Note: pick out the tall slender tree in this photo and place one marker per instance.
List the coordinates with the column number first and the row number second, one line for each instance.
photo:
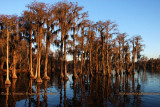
column 15, row 41
column 29, row 26
column 63, row 16
column 121, row 43
column 133, row 54
column 90, row 37
column 110, row 29
column 50, row 35
column 106, row 30
column 139, row 46
column 39, row 10
column 101, row 28
column 8, row 23
column 77, row 20
column 83, row 24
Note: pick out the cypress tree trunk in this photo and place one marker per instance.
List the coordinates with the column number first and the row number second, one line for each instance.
column 84, row 63
column 81, row 63
column 65, row 61
column 7, row 82
column 103, row 65
column 123, row 59
column 46, row 60
column 133, row 59
column 14, row 76
column 119, row 58
column 61, row 57
column 97, row 60
column 82, row 52
column 107, row 63
column 39, row 80
column 2, row 64
column 90, row 59
column 30, row 53
column 74, row 57
column 35, row 77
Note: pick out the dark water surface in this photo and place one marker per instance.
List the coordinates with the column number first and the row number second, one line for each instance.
column 142, row 89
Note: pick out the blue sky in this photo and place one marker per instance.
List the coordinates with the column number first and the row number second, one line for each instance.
column 135, row 17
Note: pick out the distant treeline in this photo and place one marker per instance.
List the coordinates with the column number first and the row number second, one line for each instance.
column 151, row 64
column 97, row 47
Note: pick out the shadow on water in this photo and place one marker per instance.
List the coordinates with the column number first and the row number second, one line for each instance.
column 140, row 89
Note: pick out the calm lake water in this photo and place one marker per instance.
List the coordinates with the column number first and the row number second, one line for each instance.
column 142, row 89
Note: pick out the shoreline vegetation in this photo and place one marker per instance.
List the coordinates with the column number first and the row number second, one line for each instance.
column 96, row 47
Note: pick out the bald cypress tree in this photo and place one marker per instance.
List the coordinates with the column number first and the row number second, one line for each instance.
column 121, row 43
column 39, row 10
column 8, row 23
column 30, row 27
column 63, row 16
column 50, row 34
column 91, row 37
column 110, row 28
column 78, row 21
column 82, row 25
column 15, row 41
column 101, row 27
column 106, row 30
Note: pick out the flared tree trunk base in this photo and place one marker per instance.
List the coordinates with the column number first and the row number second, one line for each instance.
column 39, row 80
column 61, row 76
column 91, row 74
column 97, row 72
column 32, row 76
column 120, row 73
column 7, row 82
column 127, row 73
column 46, row 77
column 74, row 77
column 80, row 74
column 133, row 72
column 66, row 78
column 103, row 74
column 109, row 74
column 117, row 74
column 14, row 76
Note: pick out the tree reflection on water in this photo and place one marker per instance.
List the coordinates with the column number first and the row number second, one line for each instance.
column 87, row 90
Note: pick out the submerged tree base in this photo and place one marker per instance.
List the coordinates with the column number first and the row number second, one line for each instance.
column 74, row 77
column 91, row 74
column 61, row 76
column 14, row 76
column 45, row 77
column 7, row 82
column 128, row 73
column 109, row 74
column 80, row 73
column 66, row 78
column 133, row 72
column 39, row 80
column 103, row 74
column 32, row 76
